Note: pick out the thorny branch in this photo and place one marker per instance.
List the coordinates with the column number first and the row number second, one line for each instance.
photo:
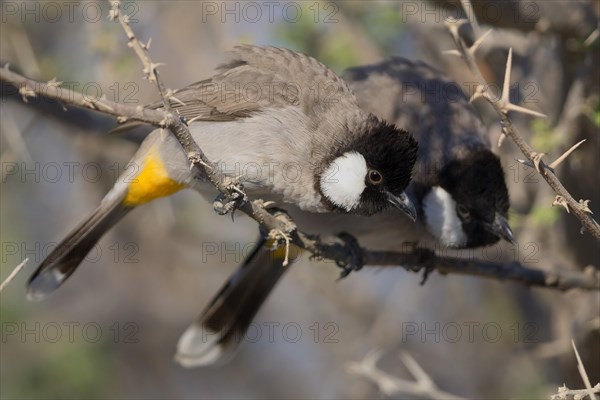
column 282, row 227
column 502, row 106
column 389, row 385
column 564, row 393
column 423, row 385
column 583, row 373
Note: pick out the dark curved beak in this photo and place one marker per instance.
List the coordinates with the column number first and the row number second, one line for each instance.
column 403, row 203
column 501, row 229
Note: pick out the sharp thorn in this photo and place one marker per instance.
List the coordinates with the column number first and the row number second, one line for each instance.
column 478, row 42
column 585, row 206
column 172, row 97
column 501, row 139
column 452, row 53
column 537, row 159
column 592, row 38
column 560, row 159
column 507, row 74
column 560, row 201
column 523, row 110
column 479, row 93
column 526, row 163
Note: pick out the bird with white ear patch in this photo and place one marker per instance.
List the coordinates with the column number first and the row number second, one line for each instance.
column 343, row 182
column 439, row 212
column 457, row 187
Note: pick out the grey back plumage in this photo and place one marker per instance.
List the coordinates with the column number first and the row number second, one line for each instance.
column 424, row 101
column 256, row 77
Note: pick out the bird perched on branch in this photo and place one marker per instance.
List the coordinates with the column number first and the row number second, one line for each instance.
column 283, row 123
column 457, row 186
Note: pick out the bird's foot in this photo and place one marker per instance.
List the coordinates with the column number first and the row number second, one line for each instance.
column 234, row 198
column 425, row 258
column 354, row 260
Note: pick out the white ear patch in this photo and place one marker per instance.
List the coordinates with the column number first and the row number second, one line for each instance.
column 344, row 180
column 440, row 215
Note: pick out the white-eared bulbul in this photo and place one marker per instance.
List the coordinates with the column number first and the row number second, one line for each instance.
column 288, row 123
column 457, row 186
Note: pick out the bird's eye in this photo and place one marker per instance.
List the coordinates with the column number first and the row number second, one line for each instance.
column 374, row 177
column 463, row 211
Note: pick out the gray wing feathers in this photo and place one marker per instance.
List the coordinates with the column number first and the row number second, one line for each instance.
column 254, row 77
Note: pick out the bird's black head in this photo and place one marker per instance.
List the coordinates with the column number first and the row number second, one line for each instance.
column 480, row 199
column 371, row 170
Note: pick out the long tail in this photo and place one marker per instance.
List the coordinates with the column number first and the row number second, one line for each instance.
column 215, row 336
column 69, row 253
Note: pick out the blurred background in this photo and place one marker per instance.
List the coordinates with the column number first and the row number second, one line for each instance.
column 111, row 331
